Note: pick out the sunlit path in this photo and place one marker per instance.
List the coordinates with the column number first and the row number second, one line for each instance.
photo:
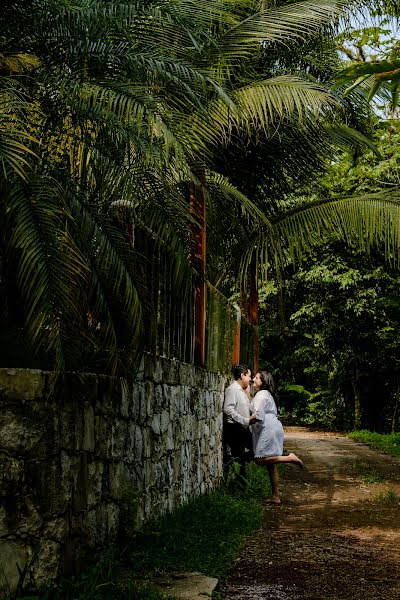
column 336, row 535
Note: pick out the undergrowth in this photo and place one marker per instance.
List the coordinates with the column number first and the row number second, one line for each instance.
column 205, row 534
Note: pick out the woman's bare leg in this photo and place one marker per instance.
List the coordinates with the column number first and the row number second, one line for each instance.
column 274, row 479
column 272, row 460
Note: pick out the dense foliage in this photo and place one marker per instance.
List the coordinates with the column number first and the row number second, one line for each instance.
column 110, row 111
column 339, row 352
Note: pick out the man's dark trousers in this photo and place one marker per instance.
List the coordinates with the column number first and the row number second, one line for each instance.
column 238, row 438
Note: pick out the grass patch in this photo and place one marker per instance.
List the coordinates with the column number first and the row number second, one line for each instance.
column 386, row 442
column 368, row 473
column 389, row 496
column 203, row 535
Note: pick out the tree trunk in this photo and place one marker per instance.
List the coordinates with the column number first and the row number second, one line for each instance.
column 395, row 410
column 357, row 398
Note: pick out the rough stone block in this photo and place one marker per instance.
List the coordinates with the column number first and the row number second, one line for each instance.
column 219, row 421
column 109, row 395
column 165, row 420
column 186, row 400
column 138, row 406
column 147, row 443
column 11, row 475
column 49, row 485
column 156, row 424
column 200, row 378
column 170, row 370
column 117, row 480
column 22, row 384
column 23, row 518
column 80, row 490
column 136, row 478
column 46, row 564
column 27, row 429
column 103, row 436
column 158, row 399
column 95, row 472
column 71, row 426
column 119, row 435
column 134, row 448
column 13, row 555
column 113, row 520
column 95, row 526
column 56, row 529
column 88, row 443
column 148, row 403
column 139, row 375
column 170, row 440
column 187, row 375
column 101, row 524
column 152, row 368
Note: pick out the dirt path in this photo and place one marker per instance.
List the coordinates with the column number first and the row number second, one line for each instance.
column 336, row 535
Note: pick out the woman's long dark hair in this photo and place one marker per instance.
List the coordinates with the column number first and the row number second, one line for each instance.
column 267, row 383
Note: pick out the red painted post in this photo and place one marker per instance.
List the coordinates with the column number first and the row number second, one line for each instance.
column 236, row 340
column 254, row 312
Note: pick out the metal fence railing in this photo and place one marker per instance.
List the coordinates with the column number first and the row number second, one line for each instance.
column 169, row 308
column 220, row 331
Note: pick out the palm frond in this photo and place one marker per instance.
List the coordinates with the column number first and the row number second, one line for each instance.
column 50, row 270
column 294, row 21
column 109, row 258
column 368, row 221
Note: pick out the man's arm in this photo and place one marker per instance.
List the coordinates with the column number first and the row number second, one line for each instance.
column 229, row 407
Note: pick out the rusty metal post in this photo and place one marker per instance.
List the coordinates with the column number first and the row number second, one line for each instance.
column 254, row 311
column 236, row 341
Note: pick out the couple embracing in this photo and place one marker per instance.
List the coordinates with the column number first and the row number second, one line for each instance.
column 252, row 428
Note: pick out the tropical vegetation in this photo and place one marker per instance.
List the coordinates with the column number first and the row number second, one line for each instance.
column 129, row 130
column 338, row 356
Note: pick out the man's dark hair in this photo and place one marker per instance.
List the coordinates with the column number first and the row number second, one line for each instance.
column 237, row 371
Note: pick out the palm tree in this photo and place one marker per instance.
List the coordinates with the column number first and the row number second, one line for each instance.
column 125, row 104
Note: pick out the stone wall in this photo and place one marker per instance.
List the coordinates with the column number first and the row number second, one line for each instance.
column 70, row 458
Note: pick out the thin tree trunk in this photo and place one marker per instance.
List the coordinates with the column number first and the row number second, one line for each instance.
column 357, row 399
column 395, row 410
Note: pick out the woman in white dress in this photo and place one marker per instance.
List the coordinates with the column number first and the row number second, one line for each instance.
column 267, row 432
